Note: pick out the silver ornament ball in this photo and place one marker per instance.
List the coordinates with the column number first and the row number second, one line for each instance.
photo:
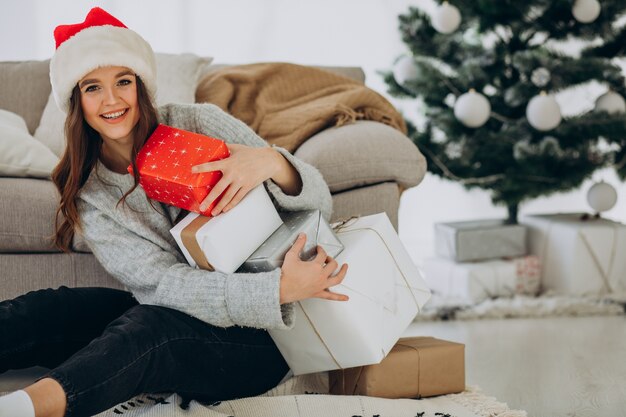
column 540, row 77
column 405, row 70
column 586, row 11
column 601, row 196
column 543, row 112
column 611, row 102
column 446, row 18
column 472, row 109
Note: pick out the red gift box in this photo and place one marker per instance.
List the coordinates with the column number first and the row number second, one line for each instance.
column 165, row 162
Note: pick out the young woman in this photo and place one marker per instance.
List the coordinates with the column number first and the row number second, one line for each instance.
column 177, row 329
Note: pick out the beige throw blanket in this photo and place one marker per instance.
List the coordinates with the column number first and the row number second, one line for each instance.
column 286, row 104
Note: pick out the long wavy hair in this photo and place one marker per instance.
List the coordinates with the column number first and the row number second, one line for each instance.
column 82, row 151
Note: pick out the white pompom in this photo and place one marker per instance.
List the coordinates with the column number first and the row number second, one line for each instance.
column 446, row 18
column 611, row 102
column 602, row 196
column 543, row 112
column 586, row 11
column 405, row 70
column 472, row 109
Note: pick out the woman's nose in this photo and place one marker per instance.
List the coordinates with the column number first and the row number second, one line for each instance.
column 110, row 96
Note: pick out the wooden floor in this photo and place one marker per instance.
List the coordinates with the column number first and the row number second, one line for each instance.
column 552, row 367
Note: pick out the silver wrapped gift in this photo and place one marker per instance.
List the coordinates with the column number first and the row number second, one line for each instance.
column 271, row 253
column 480, row 240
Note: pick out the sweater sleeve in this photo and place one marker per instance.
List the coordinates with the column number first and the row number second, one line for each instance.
column 156, row 276
column 210, row 120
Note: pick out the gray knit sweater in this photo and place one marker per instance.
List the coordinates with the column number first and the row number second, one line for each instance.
column 133, row 242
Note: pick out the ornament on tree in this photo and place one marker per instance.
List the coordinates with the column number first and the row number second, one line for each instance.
column 472, row 109
column 543, row 112
column 540, row 77
column 611, row 102
column 601, row 196
column 405, row 70
column 446, row 18
column 586, row 11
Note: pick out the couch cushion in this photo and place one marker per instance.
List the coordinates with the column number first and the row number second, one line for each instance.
column 25, row 89
column 27, row 209
column 368, row 200
column 363, row 153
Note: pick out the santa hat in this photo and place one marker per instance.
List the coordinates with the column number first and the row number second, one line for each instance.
column 100, row 41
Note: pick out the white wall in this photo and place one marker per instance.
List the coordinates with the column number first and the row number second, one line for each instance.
column 327, row 32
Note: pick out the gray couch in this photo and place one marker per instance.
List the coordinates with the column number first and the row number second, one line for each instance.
column 366, row 165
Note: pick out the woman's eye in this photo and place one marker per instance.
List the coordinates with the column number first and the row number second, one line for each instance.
column 91, row 88
column 125, row 82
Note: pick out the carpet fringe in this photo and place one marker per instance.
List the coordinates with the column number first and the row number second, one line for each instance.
column 483, row 405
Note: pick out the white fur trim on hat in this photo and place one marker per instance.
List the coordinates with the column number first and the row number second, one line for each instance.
column 95, row 47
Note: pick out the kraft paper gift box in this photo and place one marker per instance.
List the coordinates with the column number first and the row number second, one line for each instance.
column 164, row 163
column 386, row 293
column 474, row 282
column 224, row 242
column 479, row 240
column 416, row 367
column 271, row 253
column 579, row 256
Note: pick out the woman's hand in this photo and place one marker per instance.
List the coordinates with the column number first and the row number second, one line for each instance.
column 244, row 169
column 309, row 279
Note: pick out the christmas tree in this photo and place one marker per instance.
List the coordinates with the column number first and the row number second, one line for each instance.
column 485, row 74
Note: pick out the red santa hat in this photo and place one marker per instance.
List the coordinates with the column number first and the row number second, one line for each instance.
column 100, row 41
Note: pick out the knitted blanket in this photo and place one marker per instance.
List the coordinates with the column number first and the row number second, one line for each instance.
column 304, row 396
column 286, row 104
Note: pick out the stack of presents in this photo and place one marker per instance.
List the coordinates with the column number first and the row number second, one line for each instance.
column 564, row 254
column 358, row 340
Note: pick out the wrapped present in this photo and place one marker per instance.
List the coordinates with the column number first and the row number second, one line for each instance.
column 386, row 292
column 579, row 256
column 479, row 240
column 165, row 162
column 224, row 242
column 416, row 367
column 473, row 282
column 271, row 253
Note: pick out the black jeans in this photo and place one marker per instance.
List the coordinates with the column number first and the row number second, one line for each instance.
column 104, row 348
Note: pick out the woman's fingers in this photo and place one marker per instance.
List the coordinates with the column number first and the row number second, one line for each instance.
column 235, row 200
column 338, row 277
column 215, row 192
column 207, row 166
column 226, row 199
column 321, row 256
column 329, row 295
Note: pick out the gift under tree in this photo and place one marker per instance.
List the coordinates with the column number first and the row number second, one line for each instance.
column 486, row 74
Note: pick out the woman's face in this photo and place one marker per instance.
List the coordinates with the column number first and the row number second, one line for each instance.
column 108, row 97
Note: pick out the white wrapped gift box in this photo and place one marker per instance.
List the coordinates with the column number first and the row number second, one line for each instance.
column 474, row 282
column 579, row 256
column 386, row 293
column 224, row 242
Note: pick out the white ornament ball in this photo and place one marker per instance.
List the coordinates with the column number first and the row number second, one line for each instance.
column 472, row 109
column 611, row 102
column 586, row 11
column 543, row 112
column 405, row 70
column 602, row 196
column 446, row 18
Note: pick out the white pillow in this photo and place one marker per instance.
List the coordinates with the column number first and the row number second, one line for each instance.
column 177, row 80
column 21, row 155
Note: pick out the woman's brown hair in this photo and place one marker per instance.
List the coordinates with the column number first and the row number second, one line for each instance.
column 79, row 159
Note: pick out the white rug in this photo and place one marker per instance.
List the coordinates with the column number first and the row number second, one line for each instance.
column 303, row 397
column 546, row 305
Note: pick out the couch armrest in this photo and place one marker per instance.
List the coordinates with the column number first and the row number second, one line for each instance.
column 364, row 153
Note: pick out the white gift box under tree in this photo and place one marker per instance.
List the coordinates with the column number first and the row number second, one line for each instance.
column 579, row 256
column 477, row 240
column 386, row 293
column 473, row 282
column 225, row 241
